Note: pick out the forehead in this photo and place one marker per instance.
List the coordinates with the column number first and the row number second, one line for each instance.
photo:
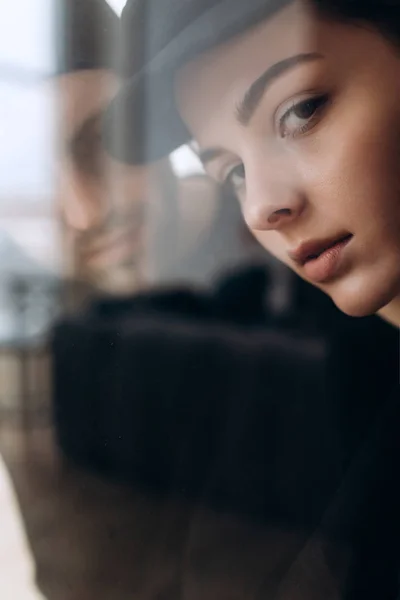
column 217, row 77
column 209, row 88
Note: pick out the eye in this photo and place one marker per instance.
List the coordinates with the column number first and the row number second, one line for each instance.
column 236, row 177
column 301, row 116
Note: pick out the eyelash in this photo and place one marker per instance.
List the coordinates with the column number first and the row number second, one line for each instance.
column 320, row 101
column 228, row 179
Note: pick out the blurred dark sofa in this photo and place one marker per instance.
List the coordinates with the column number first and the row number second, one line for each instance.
column 184, row 393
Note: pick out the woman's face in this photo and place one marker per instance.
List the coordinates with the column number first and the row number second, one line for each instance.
column 302, row 117
column 105, row 205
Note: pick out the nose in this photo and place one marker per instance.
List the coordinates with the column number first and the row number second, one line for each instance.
column 80, row 207
column 77, row 217
column 272, row 202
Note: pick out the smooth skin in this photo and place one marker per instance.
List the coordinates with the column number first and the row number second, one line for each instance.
column 302, row 117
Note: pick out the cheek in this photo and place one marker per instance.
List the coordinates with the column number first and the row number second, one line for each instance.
column 351, row 176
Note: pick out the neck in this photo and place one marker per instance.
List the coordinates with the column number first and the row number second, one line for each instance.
column 391, row 312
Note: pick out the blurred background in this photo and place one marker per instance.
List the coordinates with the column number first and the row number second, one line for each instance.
column 158, row 370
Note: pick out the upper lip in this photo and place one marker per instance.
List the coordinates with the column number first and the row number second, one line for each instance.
column 313, row 248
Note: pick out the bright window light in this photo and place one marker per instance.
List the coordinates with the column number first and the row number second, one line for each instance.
column 117, row 5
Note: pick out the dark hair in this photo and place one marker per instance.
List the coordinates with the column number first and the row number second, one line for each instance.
column 383, row 15
column 86, row 33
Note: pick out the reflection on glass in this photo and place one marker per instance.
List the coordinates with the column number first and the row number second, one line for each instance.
column 181, row 415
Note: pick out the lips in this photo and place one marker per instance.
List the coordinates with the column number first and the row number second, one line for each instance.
column 114, row 249
column 311, row 250
column 321, row 261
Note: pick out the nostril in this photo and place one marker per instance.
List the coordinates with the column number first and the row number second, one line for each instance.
column 262, row 217
column 278, row 214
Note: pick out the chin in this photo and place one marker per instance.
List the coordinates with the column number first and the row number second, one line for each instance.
column 364, row 296
column 357, row 308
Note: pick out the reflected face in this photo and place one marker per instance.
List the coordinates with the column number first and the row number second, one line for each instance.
column 302, row 117
column 103, row 203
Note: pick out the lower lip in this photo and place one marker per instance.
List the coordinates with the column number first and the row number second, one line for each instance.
column 327, row 264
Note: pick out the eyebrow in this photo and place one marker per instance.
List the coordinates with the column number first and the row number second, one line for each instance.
column 210, row 154
column 253, row 96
